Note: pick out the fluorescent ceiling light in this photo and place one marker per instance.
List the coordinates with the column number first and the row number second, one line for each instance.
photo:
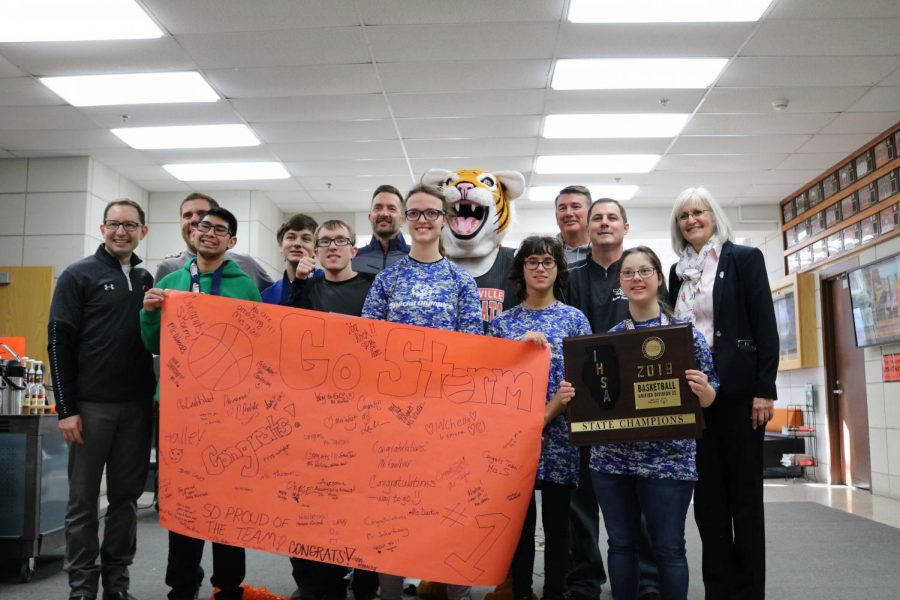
column 228, row 171
column 635, row 73
column 548, row 193
column 650, row 125
column 603, row 163
column 190, row 136
column 69, row 20
column 132, row 88
column 666, row 11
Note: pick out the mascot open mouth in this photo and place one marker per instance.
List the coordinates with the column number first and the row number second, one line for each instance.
column 470, row 218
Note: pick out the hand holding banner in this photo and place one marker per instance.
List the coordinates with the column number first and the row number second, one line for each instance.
column 388, row 447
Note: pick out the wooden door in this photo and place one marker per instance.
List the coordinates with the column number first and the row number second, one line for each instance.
column 848, row 412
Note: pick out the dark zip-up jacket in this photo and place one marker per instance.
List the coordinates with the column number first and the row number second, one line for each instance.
column 94, row 334
column 371, row 258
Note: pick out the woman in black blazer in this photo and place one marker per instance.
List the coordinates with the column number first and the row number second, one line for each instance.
column 723, row 288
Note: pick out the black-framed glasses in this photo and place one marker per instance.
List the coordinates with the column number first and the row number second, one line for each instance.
column 430, row 214
column 338, row 241
column 129, row 226
column 696, row 213
column 533, row 263
column 644, row 272
column 218, row 230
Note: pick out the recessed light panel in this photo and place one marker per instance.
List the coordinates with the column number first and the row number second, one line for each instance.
column 548, row 193
column 650, row 125
column 132, row 88
column 188, row 136
column 666, row 11
column 636, row 73
column 227, row 171
column 71, row 20
column 602, row 163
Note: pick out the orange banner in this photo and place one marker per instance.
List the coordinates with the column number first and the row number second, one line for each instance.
column 393, row 448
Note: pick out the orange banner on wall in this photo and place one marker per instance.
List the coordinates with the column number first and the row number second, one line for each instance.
column 393, row 448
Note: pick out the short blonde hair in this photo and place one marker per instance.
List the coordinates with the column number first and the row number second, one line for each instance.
column 695, row 196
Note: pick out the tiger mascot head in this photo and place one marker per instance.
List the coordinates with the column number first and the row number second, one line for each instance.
column 482, row 201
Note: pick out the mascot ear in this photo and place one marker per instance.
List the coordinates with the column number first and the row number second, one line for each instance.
column 435, row 177
column 513, row 181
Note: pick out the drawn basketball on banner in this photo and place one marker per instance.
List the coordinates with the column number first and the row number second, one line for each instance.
column 221, row 357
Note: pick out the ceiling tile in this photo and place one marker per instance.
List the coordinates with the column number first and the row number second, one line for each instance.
column 456, row 76
column 315, row 131
column 337, row 150
column 816, row 37
column 380, row 12
column 98, row 58
column 164, row 185
column 775, row 190
column 876, row 99
column 475, row 148
column 800, row 99
column 210, row 155
column 312, row 108
column 622, row 101
column 66, row 141
column 835, row 9
column 817, row 162
column 872, row 123
column 294, row 81
column 718, row 162
column 158, row 115
column 522, row 164
column 467, row 104
column 178, row 16
column 42, row 117
column 24, row 91
column 746, row 124
column 7, row 69
column 331, row 46
column 808, row 71
column 475, row 41
column 651, row 40
column 835, row 143
column 361, row 186
column 476, row 127
column 737, row 144
column 343, row 168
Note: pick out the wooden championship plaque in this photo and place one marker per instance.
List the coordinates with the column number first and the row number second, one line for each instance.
column 630, row 386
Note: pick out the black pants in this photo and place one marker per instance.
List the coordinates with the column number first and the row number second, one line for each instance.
column 728, row 501
column 364, row 584
column 555, row 516
column 183, row 574
column 319, row 581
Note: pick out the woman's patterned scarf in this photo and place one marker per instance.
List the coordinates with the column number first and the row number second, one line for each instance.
column 690, row 269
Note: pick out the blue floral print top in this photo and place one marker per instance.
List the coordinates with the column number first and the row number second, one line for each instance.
column 667, row 459
column 559, row 459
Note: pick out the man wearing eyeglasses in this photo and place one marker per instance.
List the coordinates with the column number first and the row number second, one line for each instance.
column 103, row 378
column 209, row 273
column 342, row 290
column 594, row 289
column 296, row 239
column 192, row 209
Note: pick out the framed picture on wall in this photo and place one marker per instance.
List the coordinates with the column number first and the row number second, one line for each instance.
column 874, row 296
column 795, row 314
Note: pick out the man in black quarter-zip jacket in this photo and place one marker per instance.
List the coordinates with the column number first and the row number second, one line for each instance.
column 104, row 383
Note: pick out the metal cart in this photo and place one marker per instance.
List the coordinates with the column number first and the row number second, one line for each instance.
column 34, row 471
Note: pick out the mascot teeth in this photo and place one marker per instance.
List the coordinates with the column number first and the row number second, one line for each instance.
column 469, row 219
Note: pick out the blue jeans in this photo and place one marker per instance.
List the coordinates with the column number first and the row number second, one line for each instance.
column 664, row 503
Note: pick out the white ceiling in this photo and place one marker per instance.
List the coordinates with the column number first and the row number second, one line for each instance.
column 349, row 94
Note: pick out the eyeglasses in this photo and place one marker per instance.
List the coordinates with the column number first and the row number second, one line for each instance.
column 533, row 263
column 219, row 230
column 338, row 241
column 430, row 214
column 644, row 272
column 696, row 213
column 130, row 226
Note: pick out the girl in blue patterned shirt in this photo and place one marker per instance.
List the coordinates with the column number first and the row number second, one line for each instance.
column 426, row 289
column 539, row 271
column 655, row 478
